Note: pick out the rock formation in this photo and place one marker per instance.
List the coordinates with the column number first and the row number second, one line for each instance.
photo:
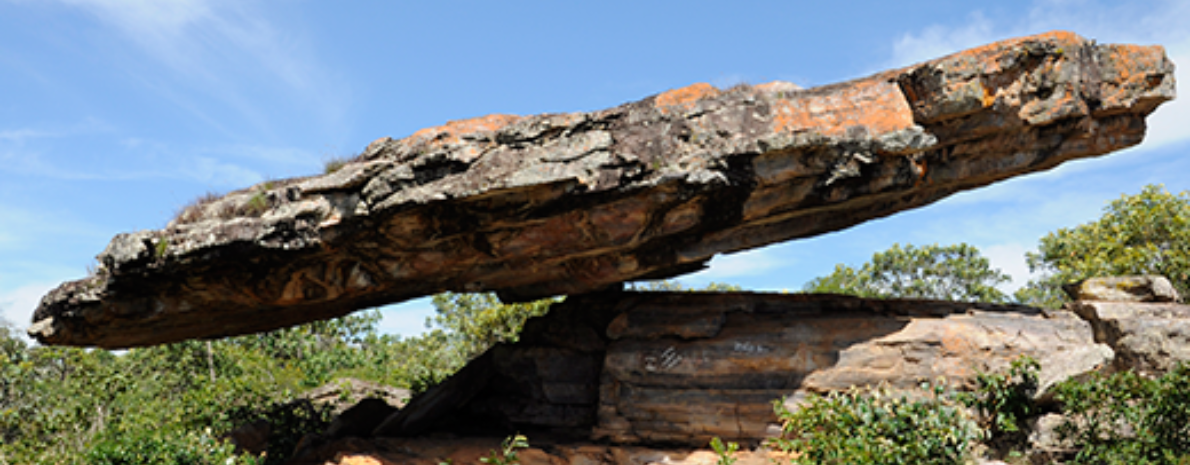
column 643, row 377
column 573, row 203
column 681, row 367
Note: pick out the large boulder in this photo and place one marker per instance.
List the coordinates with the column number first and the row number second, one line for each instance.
column 1148, row 338
column 571, row 203
column 1123, row 289
column 681, row 368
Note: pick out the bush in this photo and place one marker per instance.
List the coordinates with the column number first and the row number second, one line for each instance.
column 1126, row 418
column 288, row 424
column 1004, row 403
column 164, row 449
column 872, row 427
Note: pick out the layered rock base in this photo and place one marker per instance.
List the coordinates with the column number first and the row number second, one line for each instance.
column 646, row 377
column 681, row 368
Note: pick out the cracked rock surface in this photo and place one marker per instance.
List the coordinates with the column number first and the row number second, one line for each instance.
column 572, row 203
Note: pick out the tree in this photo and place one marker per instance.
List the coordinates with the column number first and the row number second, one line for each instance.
column 954, row 272
column 476, row 322
column 1146, row 233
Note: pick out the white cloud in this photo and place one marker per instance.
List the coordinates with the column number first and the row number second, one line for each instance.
column 1171, row 122
column 1010, row 258
column 21, row 135
column 228, row 50
column 936, row 41
column 726, row 267
column 215, row 172
column 17, row 305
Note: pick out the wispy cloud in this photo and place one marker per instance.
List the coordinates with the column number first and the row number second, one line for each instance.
column 732, row 267
column 21, row 135
column 1010, row 258
column 35, row 152
column 227, row 50
column 938, row 40
column 17, row 304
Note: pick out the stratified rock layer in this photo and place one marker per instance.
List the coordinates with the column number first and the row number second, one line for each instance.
column 571, row 203
column 682, row 368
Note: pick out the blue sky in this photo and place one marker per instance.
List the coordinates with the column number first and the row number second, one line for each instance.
column 115, row 113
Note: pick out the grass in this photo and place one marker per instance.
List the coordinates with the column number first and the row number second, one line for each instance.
column 334, row 164
column 193, row 211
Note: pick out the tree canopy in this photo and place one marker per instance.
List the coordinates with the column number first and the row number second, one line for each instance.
column 953, row 272
column 1144, row 233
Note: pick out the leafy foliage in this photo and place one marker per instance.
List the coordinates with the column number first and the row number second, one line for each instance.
column 1145, row 233
column 724, row 452
column 475, row 322
column 156, row 449
column 507, row 455
column 953, row 272
column 1004, row 403
column 1128, row 419
column 872, row 427
column 164, row 404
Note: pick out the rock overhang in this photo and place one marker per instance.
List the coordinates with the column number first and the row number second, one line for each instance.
column 570, row 203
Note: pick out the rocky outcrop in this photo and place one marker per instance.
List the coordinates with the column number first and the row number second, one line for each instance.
column 358, row 406
column 573, row 203
column 1138, row 317
column 630, row 377
column 1123, row 289
column 681, row 368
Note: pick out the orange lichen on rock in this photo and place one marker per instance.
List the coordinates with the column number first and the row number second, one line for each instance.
column 981, row 58
column 876, row 105
column 1129, row 70
column 451, row 131
column 685, row 97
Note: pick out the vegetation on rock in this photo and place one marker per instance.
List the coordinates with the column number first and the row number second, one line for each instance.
column 873, row 426
column 1126, row 418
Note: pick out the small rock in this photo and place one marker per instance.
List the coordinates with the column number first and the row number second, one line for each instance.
column 1124, row 289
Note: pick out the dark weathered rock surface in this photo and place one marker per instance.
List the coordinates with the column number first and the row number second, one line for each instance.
column 571, row 203
column 681, row 368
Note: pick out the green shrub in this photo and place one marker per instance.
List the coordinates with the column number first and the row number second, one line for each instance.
column 1004, row 403
column 871, row 426
column 164, row 449
column 288, row 424
column 725, row 452
column 1127, row 418
column 507, row 455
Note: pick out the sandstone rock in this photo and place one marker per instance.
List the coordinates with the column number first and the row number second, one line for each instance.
column 571, row 203
column 681, row 368
column 344, row 393
column 1124, row 289
column 1149, row 338
column 438, row 450
column 955, row 348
